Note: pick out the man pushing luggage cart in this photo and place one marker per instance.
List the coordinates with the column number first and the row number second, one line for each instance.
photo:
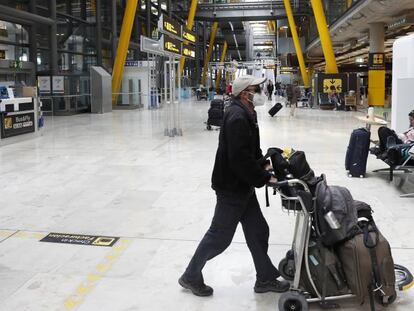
column 239, row 168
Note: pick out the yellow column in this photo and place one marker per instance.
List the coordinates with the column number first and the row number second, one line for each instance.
column 209, row 52
column 223, row 56
column 296, row 42
column 376, row 70
column 325, row 37
column 349, row 3
column 311, row 70
column 190, row 24
column 376, row 87
column 123, row 45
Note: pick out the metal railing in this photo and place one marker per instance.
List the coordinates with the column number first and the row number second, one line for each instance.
column 78, row 103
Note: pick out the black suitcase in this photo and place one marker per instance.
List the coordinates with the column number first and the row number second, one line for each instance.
column 357, row 153
column 275, row 109
column 217, row 104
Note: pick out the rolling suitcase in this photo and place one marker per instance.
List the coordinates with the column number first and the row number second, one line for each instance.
column 275, row 109
column 357, row 153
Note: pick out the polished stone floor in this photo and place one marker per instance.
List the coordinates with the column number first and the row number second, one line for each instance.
column 118, row 175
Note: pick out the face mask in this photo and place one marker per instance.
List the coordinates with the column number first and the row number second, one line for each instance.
column 258, row 99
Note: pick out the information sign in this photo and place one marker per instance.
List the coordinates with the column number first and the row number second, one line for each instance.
column 190, row 36
column 172, row 45
column 13, row 125
column 189, row 51
column 170, row 26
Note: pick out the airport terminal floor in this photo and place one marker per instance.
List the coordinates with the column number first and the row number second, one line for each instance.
column 118, row 175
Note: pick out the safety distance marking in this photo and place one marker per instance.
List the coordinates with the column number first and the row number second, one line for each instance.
column 80, row 239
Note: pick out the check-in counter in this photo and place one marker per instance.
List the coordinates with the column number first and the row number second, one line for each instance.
column 19, row 118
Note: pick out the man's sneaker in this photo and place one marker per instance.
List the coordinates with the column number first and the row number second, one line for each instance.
column 271, row 286
column 202, row 289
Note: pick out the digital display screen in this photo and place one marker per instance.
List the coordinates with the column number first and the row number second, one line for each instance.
column 172, row 45
column 189, row 51
column 190, row 36
column 171, row 26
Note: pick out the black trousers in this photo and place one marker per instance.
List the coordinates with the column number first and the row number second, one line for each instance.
column 384, row 133
column 230, row 210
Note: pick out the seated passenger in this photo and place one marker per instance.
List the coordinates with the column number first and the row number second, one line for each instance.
column 385, row 134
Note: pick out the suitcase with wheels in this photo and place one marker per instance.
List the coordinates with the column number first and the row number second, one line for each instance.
column 357, row 153
column 275, row 109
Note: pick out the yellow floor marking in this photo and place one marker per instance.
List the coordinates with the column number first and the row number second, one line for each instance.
column 29, row 235
column 74, row 300
column 6, row 233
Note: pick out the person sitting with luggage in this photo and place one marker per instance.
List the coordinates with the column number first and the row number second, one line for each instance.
column 239, row 168
column 334, row 99
column 385, row 135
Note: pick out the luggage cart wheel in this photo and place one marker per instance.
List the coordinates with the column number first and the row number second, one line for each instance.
column 380, row 300
column 287, row 269
column 292, row 301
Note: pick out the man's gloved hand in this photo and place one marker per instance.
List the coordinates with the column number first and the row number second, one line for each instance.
column 268, row 167
column 272, row 180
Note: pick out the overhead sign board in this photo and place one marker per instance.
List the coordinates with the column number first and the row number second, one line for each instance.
column 190, row 36
column 170, row 26
column 334, row 82
column 332, row 85
column 402, row 21
column 172, row 45
column 189, row 51
column 288, row 69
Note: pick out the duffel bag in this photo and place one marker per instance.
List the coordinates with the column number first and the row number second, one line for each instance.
column 367, row 262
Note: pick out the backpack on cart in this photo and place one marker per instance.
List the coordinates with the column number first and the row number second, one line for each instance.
column 336, row 215
column 294, row 166
column 367, row 261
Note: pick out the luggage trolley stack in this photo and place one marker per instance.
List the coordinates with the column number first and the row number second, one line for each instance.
column 215, row 114
column 311, row 285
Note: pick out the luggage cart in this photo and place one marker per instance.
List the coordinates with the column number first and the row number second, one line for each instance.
column 297, row 298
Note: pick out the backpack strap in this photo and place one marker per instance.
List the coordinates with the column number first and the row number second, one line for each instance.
column 376, row 284
column 270, row 152
column 267, row 196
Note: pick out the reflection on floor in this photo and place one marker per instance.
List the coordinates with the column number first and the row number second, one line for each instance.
column 117, row 175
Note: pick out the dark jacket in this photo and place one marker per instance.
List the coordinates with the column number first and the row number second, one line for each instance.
column 239, row 165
